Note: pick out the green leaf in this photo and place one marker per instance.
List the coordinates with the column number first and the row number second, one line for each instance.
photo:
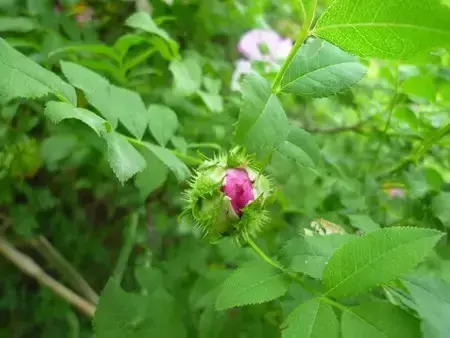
column 376, row 258
column 300, row 147
column 385, row 29
column 379, row 320
column 262, row 124
column 310, row 254
column 120, row 314
column 162, row 122
column 142, row 20
column 22, row 77
column 154, row 175
column 311, row 319
column 364, row 223
column 320, row 71
column 179, row 169
column 421, row 86
column 113, row 102
column 58, row 111
column 149, row 278
column 187, row 75
column 214, row 102
column 92, row 49
column 17, row 24
column 441, row 207
column 253, row 283
column 123, row 158
column 432, row 297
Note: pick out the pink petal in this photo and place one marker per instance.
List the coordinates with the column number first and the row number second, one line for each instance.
column 242, row 67
column 238, row 188
column 249, row 45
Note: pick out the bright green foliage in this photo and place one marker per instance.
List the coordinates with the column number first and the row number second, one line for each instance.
column 320, row 69
column 310, row 254
column 422, row 86
column 432, row 298
column 123, row 158
column 58, row 111
column 253, row 283
column 17, row 24
column 363, row 263
column 153, row 176
column 386, row 29
column 115, row 103
column 441, row 208
column 312, row 319
column 179, row 169
column 163, row 123
column 262, row 124
column 21, row 77
column 364, row 223
column 187, row 75
column 379, row 320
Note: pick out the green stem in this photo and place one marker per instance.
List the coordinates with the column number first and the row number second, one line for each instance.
column 304, row 33
column 204, row 145
column 130, row 235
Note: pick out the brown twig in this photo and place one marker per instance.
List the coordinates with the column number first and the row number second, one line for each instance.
column 29, row 267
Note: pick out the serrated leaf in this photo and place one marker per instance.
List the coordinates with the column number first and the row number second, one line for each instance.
column 162, row 122
column 364, row 223
column 432, row 297
column 113, row 102
column 441, row 207
column 142, row 20
column 17, row 24
column 262, row 124
column 120, row 314
column 310, row 254
column 376, row 258
column 123, row 158
column 312, row 319
column 253, row 283
column 58, row 111
column 321, row 71
column 379, row 320
column 300, row 147
column 385, row 29
column 153, row 176
column 179, row 169
column 22, row 77
column 187, row 75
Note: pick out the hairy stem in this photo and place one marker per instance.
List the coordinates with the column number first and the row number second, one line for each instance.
column 304, row 33
column 29, row 267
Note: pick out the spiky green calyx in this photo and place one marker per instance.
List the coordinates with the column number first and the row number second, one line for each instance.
column 208, row 204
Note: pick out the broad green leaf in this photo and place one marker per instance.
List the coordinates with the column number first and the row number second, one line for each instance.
column 441, row 207
column 187, row 75
column 320, row 71
column 262, row 124
column 379, row 320
column 363, row 222
column 113, row 102
column 421, row 86
column 123, row 158
column 253, row 283
column 312, row 319
column 58, row 111
column 56, row 148
column 179, row 169
column 143, row 20
column 376, row 258
column 17, row 24
column 91, row 49
column 214, row 102
column 21, row 77
column 154, row 175
column 120, row 314
column 432, row 297
column 162, row 122
column 385, row 29
column 300, row 147
column 310, row 254
column 149, row 278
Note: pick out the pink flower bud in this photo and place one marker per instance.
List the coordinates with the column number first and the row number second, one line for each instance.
column 238, row 188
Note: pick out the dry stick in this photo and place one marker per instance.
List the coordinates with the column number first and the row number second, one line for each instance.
column 54, row 257
column 29, row 267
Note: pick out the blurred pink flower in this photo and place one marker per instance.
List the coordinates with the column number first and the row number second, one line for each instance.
column 260, row 45
column 85, row 16
column 396, row 192
column 239, row 189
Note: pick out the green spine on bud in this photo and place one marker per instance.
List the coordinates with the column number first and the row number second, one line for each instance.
column 218, row 196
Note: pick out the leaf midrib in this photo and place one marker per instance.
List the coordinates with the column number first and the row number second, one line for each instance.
column 372, row 262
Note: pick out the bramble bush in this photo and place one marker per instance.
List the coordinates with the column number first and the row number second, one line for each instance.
column 189, row 168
